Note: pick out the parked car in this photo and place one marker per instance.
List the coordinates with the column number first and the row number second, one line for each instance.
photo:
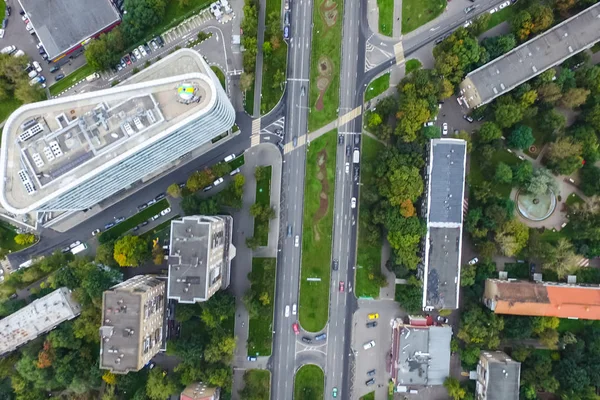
column 159, row 41
column 119, row 220
column 229, row 158
column 144, row 223
column 37, row 66
column 127, row 60
column 218, row 182
column 160, row 196
column 95, row 232
column 336, row 264
column 136, row 54
column 505, row 4
column 306, row 339
column 296, row 328
column 59, row 77
column 370, row 382
column 109, row 225
column 8, row 50
column 146, row 49
column 75, row 244
column 142, row 51
column 153, row 201
column 468, row 118
column 165, row 211
column 252, row 358
column 320, row 337
column 154, row 45
column 142, row 207
column 441, row 320
column 371, row 372
column 369, row 345
column 371, row 324
column 473, row 261
column 8, row 11
column 1, row 33
column 373, row 316
column 445, row 128
column 33, row 73
column 286, row 32
column 154, row 218
column 206, row 189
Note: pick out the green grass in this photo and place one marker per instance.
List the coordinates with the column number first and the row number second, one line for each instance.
column 500, row 16
column 2, row 12
column 573, row 325
column 386, row 17
column 368, row 396
column 552, row 237
column 476, row 175
column 260, row 380
column 237, row 162
column 574, row 199
column 368, row 256
column 71, row 79
column 309, row 383
column 249, row 100
column 7, row 237
column 326, row 45
column 276, row 61
column 418, row 12
column 317, row 234
column 161, row 230
column 517, row 270
column 260, row 329
column 595, row 48
column 377, row 86
column 263, row 197
column 412, row 65
column 7, row 106
column 219, row 74
column 133, row 221
column 176, row 12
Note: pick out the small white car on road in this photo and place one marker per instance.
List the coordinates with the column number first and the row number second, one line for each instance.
column 505, row 4
column 294, row 309
column 445, row 128
column 347, row 167
column 229, row 157
column 353, row 202
column 474, row 261
column 287, row 311
column 297, row 241
column 369, row 345
column 218, row 182
column 467, row 24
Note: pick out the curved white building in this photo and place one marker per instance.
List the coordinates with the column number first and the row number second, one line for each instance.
column 71, row 153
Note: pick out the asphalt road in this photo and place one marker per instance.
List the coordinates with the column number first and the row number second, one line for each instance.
column 283, row 361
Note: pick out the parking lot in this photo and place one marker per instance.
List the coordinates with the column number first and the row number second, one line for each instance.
column 378, row 357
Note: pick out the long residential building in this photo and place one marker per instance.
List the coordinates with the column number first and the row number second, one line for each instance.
column 445, row 180
column 200, row 255
column 132, row 330
column 72, row 152
column 533, row 57
column 542, row 299
column 37, row 318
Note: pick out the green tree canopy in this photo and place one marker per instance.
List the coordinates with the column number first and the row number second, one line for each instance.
column 131, row 251
column 521, row 138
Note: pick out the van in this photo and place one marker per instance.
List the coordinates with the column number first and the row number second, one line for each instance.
column 289, row 231
column 8, row 50
column 92, row 77
column 356, row 156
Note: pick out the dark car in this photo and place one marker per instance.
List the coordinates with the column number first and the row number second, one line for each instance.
column 45, row 57
column 41, row 50
column 307, row 340
column 59, row 77
column 160, row 196
column 133, row 58
column 340, row 139
column 142, row 207
column 336, row 264
column 286, row 32
column 4, row 23
column 181, row 185
column 287, row 17
column 159, row 41
column 22, row 12
column 54, row 68
column 144, row 223
column 206, row 189
column 147, row 48
column 8, row 10
column 252, row 358
column 370, row 382
column 468, row 118
column 348, row 151
column 136, row 228
column 109, row 225
column 371, row 324
column 371, row 372
column 356, row 173
column 289, row 231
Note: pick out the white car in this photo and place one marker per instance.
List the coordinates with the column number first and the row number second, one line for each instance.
column 1, row 33
column 142, row 50
column 229, row 158
column 347, row 167
column 29, row 27
column 37, row 66
column 165, row 211
column 137, row 54
column 95, row 232
column 369, row 345
column 297, row 241
column 474, row 261
column 218, row 182
column 75, row 244
column 430, row 123
column 294, row 309
column 353, row 202
column 505, row 4
column 445, row 128
column 467, row 24
column 493, row 10
column 8, row 50
column 287, row 311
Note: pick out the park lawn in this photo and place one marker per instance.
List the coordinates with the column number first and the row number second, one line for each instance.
column 574, row 199
column 317, row 233
column 368, row 256
column 368, row 396
column 573, row 325
column 249, row 100
column 175, row 12
column 237, row 162
column 263, row 197
column 160, row 231
column 386, row 17
column 412, row 65
column 276, row 61
column 219, row 74
column 7, row 106
column 260, row 329
column 7, row 237
column 595, row 48
column 377, row 86
column 500, row 16
column 552, row 236
column 2, row 13
column 71, row 79
column 418, row 12
column 133, row 221
column 309, row 383
column 326, row 46
column 476, row 176
column 261, row 379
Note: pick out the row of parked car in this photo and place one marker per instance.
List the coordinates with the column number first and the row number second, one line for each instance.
column 140, row 52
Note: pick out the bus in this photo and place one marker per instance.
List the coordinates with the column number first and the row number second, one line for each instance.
column 79, row 248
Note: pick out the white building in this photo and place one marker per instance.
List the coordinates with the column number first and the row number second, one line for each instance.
column 70, row 153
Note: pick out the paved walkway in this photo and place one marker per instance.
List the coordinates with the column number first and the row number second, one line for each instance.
column 388, row 292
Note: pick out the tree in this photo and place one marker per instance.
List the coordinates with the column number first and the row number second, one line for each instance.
column 560, row 258
column 431, row 132
column 141, row 16
column 105, row 254
column 410, row 296
column 220, row 349
column 498, row 45
column 199, row 180
column 159, row 386
column 407, row 209
column 542, row 17
column 157, row 254
column 503, row 173
column 552, row 122
column 522, row 25
column 467, row 274
column 246, row 81
column 26, row 93
column 454, row 389
column 564, row 156
column 563, row 6
column 373, row 120
column 480, row 327
column 412, row 113
column 480, row 24
column 521, row 138
column 457, row 54
column 574, row 97
column 464, row 135
column 489, row 132
column 586, row 136
column 590, row 180
column 24, row 239
column 253, row 242
column 174, row 190
column 506, row 115
column 522, row 173
column 512, row 237
column 131, row 251
column 541, row 182
column 401, row 184
column 549, row 92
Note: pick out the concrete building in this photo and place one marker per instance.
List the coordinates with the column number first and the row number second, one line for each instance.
column 200, row 255
column 445, row 180
column 132, row 330
column 64, row 26
column 530, row 59
column 70, row 153
column 199, row 391
column 420, row 352
column 498, row 376
column 37, row 318
column 542, row 299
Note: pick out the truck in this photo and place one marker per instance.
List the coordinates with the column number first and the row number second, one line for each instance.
column 79, row 248
column 356, row 156
column 92, row 77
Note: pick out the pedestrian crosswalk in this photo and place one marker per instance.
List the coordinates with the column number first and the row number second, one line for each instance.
column 255, row 135
column 584, row 262
column 186, row 26
column 465, row 207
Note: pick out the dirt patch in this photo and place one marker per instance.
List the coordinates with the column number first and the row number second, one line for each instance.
column 323, row 80
column 323, row 197
column 329, row 14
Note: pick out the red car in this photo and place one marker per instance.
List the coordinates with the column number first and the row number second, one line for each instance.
column 296, row 328
column 341, row 286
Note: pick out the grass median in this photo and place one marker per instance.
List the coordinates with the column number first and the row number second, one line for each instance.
column 368, row 256
column 317, row 232
column 419, row 12
column 260, row 327
column 263, row 197
column 71, row 79
column 131, row 222
column 309, row 383
column 274, row 62
column 386, row 17
column 325, row 63
column 219, row 75
column 377, row 86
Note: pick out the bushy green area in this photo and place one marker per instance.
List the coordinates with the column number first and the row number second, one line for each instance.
column 368, row 255
column 7, row 106
column 219, row 74
column 317, row 232
column 326, row 46
column 368, row 396
column 131, row 222
column 500, row 16
column 274, row 58
column 377, row 86
column 7, row 238
column 259, row 301
column 71, row 79
column 257, row 385
column 412, row 65
column 309, row 383
column 263, row 197
column 175, row 12
column 386, row 17
column 418, row 12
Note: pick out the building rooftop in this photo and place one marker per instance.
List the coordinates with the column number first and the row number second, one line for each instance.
column 52, row 146
column 41, row 316
column 532, row 58
column 544, row 299
column 446, row 181
column 504, row 376
column 55, row 26
column 420, row 354
column 199, row 391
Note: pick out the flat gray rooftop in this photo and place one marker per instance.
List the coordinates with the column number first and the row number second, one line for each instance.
column 447, row 176
column 63, row 24
column 504, row 376
column 443, row 269
column 532, row 58
column 423, row 355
